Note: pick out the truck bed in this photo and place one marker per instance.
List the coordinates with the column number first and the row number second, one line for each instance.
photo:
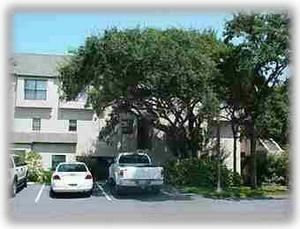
column 142, row 172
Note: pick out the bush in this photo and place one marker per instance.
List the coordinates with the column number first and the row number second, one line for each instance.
column 274, row 168
column 199, row 173
column 36, row 173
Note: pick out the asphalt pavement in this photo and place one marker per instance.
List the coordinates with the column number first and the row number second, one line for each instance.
column 34, row 204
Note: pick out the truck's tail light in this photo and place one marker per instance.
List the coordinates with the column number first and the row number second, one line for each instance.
column 121, row 172
column 56, row 177
column 89, row 176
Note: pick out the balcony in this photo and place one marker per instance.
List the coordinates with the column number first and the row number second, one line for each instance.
column 42, row 137
column 73, row 105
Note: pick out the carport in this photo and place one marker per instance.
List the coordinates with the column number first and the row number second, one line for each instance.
column 97, row 165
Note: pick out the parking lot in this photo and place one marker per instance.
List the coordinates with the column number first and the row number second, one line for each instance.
column 34, row 204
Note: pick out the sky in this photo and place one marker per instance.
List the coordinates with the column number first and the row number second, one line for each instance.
column 58, row 33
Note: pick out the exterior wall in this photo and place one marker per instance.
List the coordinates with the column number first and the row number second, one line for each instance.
column 160, row 152
column 226, row 144
column 47, row 150
column 87, row 132
column 54, row 136
column 20, row 97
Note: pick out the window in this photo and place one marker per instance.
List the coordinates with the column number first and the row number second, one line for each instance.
column 72, row 125
column 56, row 159
column 35, row 89
column 134, row 159
column 36, row 124
column 19, row 161
column 72, row 168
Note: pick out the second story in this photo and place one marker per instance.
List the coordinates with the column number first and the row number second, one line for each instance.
column 35, row 97
column 35, row 82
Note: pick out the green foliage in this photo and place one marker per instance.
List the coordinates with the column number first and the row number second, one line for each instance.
column 36, row 173
column 271, row 168
column 260, row 44
column 275, row 168
column 258, row 57
column 273, row 122
column 264, row 41
column 242, row 192
column 155, row 74
column 199, row 173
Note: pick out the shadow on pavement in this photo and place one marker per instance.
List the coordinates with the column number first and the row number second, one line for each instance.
column 148, row 197
column 95, row 192
column 68, row 196
column 143, row 195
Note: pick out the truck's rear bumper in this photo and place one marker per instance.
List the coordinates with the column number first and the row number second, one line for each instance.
column 139, row 183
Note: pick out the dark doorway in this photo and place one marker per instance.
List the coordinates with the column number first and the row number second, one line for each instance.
column 99, row 166
column 144, row 134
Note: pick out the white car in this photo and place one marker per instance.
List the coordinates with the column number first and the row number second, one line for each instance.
column 71, row 177
column 18, row 173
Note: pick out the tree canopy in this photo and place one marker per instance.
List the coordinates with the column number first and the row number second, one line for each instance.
column 261, row 43
column 163, row 75
column 177, row 78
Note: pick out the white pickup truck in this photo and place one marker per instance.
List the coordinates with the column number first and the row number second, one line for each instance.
column 18, row 172
column 134, row 170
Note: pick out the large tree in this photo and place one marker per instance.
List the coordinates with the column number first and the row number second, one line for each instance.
column 230, row 89
column 274, row 122
column 164, row 76
column 261, row 41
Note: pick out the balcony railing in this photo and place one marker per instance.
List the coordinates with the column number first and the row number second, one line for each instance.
column 74, row 105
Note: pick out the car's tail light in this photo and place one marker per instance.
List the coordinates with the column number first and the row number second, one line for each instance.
column 162, row 173
column 89, row 176
column 56, row 177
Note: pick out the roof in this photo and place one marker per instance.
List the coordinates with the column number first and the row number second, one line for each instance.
column 270, row 145
column 30, row 64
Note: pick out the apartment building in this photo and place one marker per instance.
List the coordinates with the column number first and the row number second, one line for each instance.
column 58, row 130
column 61, row 131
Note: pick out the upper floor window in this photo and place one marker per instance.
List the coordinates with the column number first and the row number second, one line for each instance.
column 72, row 125
column 36, row 124
column 35, row 89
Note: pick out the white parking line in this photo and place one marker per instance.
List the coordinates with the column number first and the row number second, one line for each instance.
column 105, row 194
column 39, row 194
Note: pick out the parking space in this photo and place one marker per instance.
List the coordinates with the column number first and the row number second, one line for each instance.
column 34, row 204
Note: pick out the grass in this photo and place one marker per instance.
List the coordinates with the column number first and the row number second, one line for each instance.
column 242, row 192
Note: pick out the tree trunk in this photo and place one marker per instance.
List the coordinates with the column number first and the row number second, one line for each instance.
column 234, row 129
column 219, row 189
column 253, row 154
column 234, row 152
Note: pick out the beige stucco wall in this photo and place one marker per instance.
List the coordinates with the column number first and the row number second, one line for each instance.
column 54, row 119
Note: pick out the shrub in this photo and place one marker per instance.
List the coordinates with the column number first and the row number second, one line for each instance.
column 36, row 173
column 199, row 172
column 275, row 168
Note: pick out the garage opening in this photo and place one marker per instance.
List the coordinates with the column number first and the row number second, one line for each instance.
column 97, row 165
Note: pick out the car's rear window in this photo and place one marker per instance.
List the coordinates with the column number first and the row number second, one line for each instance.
column 134, row 159
column 71, row 168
